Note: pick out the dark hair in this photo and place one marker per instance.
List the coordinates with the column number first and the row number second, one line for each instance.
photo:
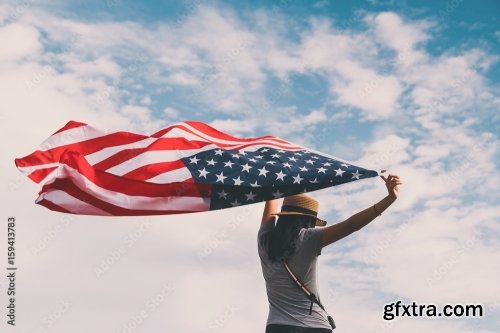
column 281, row 243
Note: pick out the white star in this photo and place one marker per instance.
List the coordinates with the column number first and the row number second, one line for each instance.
column 264, row 150
column 271, row 162
column 303, row 168
column 275, row 155
column 297, row 153
column 235, row 203
column 211, row 162
column 252, row 159
column 246, row 168
column 238, row 181
column 194, row 160
column 218, row 152
column 228, row 164
column 292, row 159
column 315, row 181
column 280, row 175
column 220, row 178
column 259, row 156
column 327, row 164
column 236, row 155
column 250, row 196
column 345, row 165
column 277, row 194
column 339, row 172
column 321, row 170
column 255, row 184
column 281, row 151
column 356, row 174
column 315, row 157
column 203, row 173
column 310, row 161
column 297, row 179
column 222, row 194
column 263, row 171
column 286, row 164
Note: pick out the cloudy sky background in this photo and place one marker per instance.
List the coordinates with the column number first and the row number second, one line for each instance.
column 407, row 86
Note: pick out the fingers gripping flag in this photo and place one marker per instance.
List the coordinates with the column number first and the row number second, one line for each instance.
column 186, row 167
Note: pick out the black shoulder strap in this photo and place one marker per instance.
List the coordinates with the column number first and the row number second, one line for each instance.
column 299, row 283
column 309, row 294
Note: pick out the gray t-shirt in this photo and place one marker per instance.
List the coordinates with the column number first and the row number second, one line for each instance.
column 288, row 304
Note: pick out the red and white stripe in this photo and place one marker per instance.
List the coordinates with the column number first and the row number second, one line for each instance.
column 83, row 170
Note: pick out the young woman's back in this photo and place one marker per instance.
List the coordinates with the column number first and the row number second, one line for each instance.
column 288, row 305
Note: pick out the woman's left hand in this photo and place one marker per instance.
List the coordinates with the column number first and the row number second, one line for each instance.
column 391, row 182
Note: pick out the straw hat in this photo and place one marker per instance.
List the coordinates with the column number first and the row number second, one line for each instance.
column 301, row 204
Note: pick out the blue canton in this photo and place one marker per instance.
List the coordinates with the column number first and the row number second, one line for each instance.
column 241, row 178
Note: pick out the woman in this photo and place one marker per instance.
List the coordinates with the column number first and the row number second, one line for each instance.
column 294, row 240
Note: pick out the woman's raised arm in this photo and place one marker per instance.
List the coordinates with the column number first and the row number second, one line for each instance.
column 271, row 207
column 340, row 230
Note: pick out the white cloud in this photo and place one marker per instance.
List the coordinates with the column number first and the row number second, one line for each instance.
column 183, row 79
column 386, row 151
column 377, row 95
column 171, row 112
column 284, row 122
column 346, row 58
column 234, row 127
column 97, row 67
column 315, row 117
column 438, row 251
column 12, row 50
column 146, row 100
column 402, row 37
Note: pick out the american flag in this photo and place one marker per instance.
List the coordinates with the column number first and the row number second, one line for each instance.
column 186, row 167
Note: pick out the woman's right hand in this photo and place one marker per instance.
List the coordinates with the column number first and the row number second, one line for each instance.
column 391, row 182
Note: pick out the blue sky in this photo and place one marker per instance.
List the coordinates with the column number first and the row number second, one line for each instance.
column 408, row 86
column 457, row 25
column 461, row 21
